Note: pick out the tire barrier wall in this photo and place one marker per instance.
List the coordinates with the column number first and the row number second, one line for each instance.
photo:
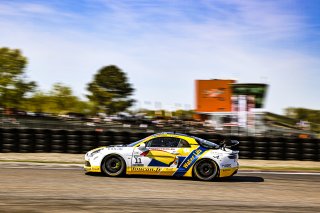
column 65, row 141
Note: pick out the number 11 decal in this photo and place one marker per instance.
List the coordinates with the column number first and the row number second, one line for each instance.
column 138, row 160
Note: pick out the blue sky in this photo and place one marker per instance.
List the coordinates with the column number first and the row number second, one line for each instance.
column 164, row 46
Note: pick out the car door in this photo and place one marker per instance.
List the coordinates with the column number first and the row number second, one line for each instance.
column 160, row 153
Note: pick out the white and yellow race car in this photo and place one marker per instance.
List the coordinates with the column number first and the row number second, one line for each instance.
column 167, row 154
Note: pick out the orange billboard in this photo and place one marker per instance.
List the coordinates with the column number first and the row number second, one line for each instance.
column 213, row 95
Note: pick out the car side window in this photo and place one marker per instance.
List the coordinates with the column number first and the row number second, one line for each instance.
column 163, row 142
column 172, row 142
column 183, row 143
column 155, row 142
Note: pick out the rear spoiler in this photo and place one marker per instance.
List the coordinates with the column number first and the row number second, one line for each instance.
column 228, row 143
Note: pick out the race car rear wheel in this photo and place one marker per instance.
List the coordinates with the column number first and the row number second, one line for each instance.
column 205, row 169
column 113, row 165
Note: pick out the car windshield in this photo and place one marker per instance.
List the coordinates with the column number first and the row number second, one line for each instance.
column 206, row 144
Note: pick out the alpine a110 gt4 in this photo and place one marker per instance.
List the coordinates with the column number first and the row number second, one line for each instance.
column 166, row 154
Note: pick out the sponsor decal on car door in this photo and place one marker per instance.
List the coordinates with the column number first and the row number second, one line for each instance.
column 161, row 155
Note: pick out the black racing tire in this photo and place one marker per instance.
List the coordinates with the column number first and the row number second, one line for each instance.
column 113, row 165
column 205, row 170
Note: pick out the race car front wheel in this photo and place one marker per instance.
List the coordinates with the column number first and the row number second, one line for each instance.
column 113, row 165
column 205, row 169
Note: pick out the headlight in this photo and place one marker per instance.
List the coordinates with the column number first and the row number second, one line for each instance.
column 95, row 151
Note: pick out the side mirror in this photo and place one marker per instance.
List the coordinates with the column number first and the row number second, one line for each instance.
column 142, row 147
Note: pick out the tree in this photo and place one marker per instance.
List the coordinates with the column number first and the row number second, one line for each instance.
column 38, row 102
column 59, row 100
column 62, row 98
column 110, row 90
column 303, row 114
column 13, row 85
column 310, row 115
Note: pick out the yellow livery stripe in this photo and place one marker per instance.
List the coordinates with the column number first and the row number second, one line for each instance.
column 228, row 172
column 92, row 168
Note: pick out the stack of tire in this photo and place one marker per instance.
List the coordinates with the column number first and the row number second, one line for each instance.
column 8, row 140
column 65, row 141
column 40, row 137
column 246, row 147
column 310, row 149
column 277, row 148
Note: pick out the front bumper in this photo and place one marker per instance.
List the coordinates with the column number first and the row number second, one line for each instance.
column 88, row 168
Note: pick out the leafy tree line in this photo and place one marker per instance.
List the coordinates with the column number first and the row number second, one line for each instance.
column 310, row 115
column 59, row 100
column 109, row 91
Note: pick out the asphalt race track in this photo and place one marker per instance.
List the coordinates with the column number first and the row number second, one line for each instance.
column 70, row 190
